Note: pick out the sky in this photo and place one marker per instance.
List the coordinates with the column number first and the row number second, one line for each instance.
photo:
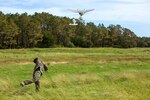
column 131, row 14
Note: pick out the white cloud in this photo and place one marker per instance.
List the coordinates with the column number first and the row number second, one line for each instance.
column 19, row 2
column 123, row 12
column 133, row 12
column 114, row 10
column 54, row 10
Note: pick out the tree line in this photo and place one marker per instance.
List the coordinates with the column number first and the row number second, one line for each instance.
column 45, row 30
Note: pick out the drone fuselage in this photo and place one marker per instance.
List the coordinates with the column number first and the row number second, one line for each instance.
column 81, row 12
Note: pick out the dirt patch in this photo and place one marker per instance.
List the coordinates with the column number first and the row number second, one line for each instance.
column 54, row 62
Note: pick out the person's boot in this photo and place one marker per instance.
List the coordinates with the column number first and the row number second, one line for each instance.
column 22, row 84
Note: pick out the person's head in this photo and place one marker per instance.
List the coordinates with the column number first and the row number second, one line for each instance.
column 35, row 60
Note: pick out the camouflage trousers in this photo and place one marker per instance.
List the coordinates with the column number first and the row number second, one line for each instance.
column 36, row 80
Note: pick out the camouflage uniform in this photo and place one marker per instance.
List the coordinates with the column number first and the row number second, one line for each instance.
column 37, row 73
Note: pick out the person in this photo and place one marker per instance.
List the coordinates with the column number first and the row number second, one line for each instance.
column 37, row 73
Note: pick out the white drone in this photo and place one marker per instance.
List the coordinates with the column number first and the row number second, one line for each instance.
column 81, row 12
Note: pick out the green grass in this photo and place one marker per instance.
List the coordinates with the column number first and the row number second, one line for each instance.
column 77, row 74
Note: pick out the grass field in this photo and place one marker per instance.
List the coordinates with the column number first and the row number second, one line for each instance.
column 77, row 74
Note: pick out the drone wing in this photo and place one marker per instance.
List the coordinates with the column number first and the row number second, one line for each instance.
column 73, row 10
column 89, row 10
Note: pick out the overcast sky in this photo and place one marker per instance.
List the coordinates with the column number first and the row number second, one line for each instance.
column 132, row 14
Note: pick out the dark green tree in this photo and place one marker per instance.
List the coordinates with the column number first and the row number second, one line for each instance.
column 129, row 39
column 48, row 40
column 33, row 31
column 23, row 23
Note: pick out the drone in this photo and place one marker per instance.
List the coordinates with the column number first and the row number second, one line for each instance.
column 81, row 12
